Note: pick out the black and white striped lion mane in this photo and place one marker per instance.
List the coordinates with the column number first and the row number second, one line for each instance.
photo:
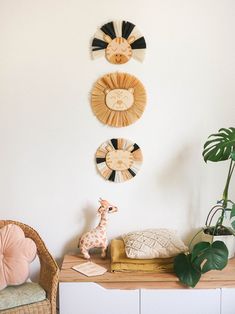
column 119, row 29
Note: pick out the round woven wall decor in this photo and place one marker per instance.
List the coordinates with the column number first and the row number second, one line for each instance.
column 118, row 159
column 118, row 99
column 118, row 41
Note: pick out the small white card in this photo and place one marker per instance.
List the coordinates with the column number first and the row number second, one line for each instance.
column 90, row 269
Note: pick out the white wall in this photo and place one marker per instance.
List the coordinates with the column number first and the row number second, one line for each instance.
column 49, row 135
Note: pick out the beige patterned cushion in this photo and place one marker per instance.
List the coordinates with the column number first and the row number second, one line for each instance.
column 153, row 243
column 28, row 292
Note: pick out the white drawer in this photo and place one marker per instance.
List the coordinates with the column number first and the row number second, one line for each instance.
column 198, row 301
column 91, row 298
column 228, row 301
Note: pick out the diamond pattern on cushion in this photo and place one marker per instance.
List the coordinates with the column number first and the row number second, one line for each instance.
column 20, row 295
column 153, row 243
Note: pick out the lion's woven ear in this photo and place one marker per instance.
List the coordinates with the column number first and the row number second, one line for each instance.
column 107, row 39
column 123, row 32
column 131, row 39
column 107, row 90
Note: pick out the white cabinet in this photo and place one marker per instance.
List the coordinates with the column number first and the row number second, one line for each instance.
column 227, row 301
column 91, row 298
column 185, row 301
column 143, row 293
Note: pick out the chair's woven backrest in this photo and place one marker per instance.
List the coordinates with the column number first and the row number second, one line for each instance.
column 49, row 270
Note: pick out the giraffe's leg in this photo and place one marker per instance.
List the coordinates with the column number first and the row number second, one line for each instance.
column 85, row 253
column 104, row 251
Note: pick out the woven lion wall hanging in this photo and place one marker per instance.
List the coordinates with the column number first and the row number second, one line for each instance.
column 118, row 99
column 118, row 41
column 118, row 159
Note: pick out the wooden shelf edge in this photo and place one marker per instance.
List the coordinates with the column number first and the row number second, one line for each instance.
column 145, row 280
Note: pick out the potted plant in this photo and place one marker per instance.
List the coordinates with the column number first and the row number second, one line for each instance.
column 209, row 255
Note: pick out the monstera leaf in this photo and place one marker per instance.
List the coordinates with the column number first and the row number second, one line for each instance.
column 220, row 146
column 186, row 271
column 204, row 257
column 210, row 255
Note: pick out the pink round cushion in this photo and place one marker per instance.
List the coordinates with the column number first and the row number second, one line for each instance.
column 16, row 252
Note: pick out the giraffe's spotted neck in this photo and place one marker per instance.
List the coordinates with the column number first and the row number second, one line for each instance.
column 103, row 220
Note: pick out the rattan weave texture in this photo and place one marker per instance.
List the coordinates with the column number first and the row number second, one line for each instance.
column 48, row 277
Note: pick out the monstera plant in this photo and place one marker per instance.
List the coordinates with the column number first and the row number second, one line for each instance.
column 206, row 256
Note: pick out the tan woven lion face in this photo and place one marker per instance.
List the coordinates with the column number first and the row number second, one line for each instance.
column 119, row 49
column 119, row 99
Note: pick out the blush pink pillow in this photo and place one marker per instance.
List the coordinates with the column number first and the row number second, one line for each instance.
column 16, row 252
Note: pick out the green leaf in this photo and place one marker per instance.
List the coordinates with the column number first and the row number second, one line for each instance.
column 227, row 152
column 232, row 215
column 228, row 131
column 220, row 146
column 186, row 271
column 214, row 256
column 199, row 248
column 233, row 155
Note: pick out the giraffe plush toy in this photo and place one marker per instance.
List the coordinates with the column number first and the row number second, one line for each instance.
column 97, row 237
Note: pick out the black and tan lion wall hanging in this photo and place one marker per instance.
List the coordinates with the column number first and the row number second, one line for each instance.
column 118, row 41
column 118, row 159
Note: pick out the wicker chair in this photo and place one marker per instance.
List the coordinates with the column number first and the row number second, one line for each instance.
column 48, row 277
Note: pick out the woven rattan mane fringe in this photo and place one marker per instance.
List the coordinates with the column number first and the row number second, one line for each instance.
column 118, row 80
column 48, row 277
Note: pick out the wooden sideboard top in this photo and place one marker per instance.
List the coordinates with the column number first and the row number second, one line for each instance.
column 136, row 280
